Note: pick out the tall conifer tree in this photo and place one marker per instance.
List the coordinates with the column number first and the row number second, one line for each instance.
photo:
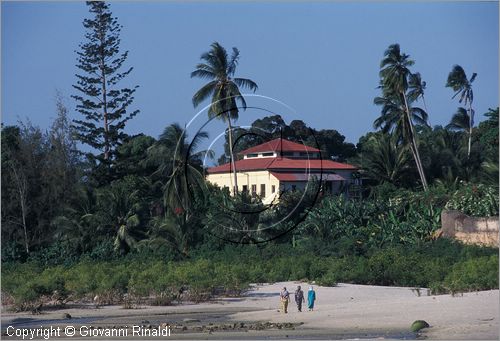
column 100, row 101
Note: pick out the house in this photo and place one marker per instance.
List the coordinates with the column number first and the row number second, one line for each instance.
column 281, row 165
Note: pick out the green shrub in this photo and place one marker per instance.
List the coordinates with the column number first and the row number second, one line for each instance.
column 475, row 200
column 473, row 274
column 328, row 280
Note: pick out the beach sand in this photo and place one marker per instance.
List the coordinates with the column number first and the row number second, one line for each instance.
column 346, row 311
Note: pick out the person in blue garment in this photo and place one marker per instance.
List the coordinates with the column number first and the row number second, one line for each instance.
column 311, row 297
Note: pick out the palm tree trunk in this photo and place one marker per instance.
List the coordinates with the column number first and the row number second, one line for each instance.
column 470, row 131
column 425, row 107
column 233, row 164
column 413, row 141
column 415, row 158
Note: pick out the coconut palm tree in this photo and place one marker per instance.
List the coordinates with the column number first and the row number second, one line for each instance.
column 178, row 160
column 458, row 81
column 460, row 121
column 395, row 74
column 416, row 89
column 121, row 209
column 223, row 89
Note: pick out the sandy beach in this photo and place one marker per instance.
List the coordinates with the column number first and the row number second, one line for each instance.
column 346, row 311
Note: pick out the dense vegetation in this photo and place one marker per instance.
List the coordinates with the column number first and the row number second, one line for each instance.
column 441, row 265
column 135, row 220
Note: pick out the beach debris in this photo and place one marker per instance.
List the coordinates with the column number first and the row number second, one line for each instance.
column 418, row 324
column 67, row 316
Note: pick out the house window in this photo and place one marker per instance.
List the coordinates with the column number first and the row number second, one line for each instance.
column 254, row 190
column 268, row 154
column 251, row 155
column 273, row 188
column 263, row 190
column 245, row 188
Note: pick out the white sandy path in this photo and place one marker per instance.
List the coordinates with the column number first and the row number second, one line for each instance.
column 348, row 306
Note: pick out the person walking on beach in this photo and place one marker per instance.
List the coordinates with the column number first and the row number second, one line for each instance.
column 285, row 298
column 299, row 298
column 311, row 297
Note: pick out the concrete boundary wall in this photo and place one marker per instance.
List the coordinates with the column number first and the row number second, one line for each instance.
column 470, row 230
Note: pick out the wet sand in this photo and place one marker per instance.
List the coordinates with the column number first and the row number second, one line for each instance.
column 343, row 312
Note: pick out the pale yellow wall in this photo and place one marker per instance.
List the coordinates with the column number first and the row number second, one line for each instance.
column 246, row 178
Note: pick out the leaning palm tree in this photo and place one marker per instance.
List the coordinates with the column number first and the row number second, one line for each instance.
column 395, row 74
column 393, row 119
column 223, row 89
column 458, row 81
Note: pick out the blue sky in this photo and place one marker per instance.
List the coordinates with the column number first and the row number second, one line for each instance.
column 321, row 59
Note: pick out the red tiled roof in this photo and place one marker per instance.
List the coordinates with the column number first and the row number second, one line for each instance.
column 306, row 177
column 273, row 163
column 279, row 144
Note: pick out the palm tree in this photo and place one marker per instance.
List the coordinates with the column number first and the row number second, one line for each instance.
column 395, row 74
column 180, row 162
column 458, row 81
column 384, row 161
column 460, row 121
column 417, row 88
column 121, row 208
column 223, row 89
column 79, row 224
column 445, row 152
column 173, row 231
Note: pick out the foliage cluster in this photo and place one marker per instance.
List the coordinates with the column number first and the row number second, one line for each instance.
column 475, row 200
column 441, row 265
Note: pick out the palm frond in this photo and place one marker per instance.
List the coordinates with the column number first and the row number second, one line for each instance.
column 205, row 92
column 203, row 74
column 233, row 62
column 246, row 83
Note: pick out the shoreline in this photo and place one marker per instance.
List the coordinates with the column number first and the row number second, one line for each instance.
column 345, row 311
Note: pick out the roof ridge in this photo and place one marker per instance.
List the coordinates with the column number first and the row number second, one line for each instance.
column 277, row 143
